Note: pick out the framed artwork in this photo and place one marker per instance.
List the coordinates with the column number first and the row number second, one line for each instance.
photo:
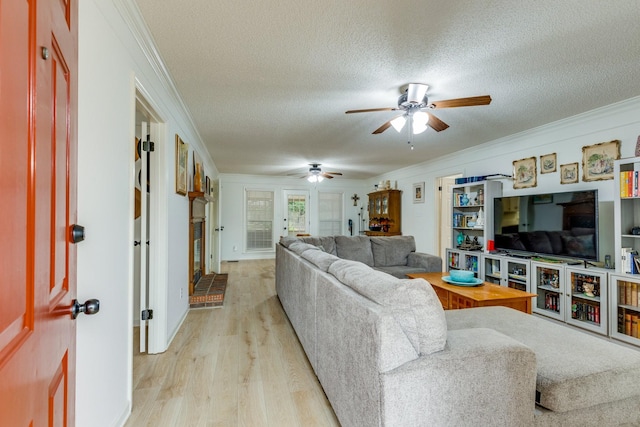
column 598, row 159
column 524, row 173
column 182, row 158
column 548, row 163
column 569, row 173
column 418, row 192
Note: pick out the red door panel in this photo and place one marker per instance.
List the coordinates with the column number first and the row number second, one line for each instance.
column 38, row 110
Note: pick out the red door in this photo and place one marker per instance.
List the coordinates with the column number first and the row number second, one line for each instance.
column 38, row 109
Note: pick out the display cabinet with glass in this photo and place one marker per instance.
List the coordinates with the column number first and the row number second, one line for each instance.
column 518, row 274
column 548, row 284
column 385, row 216
column 625, row 308
column 464, row 260
column 492, row 269
column 587, row 298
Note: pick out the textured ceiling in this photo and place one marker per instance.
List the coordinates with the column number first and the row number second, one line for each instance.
column 267, row 83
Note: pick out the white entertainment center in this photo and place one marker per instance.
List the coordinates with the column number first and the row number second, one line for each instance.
column 601, row 300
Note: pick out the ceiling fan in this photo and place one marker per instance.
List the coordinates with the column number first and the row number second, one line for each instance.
column 315, row 173
column 413, row 102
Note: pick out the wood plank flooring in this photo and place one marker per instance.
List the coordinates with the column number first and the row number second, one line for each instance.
column 239, row 365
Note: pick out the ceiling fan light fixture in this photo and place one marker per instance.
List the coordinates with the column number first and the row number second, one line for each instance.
column 398, row 123
column 419, row 122
column 416, row 92
column 315, row 178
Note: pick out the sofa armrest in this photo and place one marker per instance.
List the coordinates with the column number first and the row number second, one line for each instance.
column 431, row 263
column 481, row 378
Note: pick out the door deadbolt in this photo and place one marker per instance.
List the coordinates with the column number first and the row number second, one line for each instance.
column 77, row 233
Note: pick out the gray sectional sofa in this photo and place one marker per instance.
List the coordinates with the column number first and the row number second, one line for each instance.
column 387, row 354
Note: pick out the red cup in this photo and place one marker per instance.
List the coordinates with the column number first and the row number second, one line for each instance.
column 490, row 245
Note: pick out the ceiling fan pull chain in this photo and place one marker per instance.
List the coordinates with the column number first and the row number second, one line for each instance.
column 409, row 128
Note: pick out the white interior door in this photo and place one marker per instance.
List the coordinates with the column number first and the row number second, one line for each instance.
column 144, row 234
column 215, row 226
column 296, row 212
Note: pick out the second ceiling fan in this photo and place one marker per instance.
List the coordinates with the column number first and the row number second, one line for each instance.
column 413, row 102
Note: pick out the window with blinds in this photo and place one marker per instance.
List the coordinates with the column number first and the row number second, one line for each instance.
column 259, row 217
column 330, row 216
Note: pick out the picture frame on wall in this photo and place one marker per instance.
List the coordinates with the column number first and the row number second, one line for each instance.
column 182, row 159
column 418, row 192
column 525, row 173
column 569, row 173
column 548, row 163
column 598, row 160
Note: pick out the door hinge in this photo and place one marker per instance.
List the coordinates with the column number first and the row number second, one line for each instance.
column 147, row 314
column 148, row 146
column 440, row 188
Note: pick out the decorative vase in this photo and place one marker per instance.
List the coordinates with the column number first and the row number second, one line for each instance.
column 197, row 179
column 464, row 201
column 460, row 238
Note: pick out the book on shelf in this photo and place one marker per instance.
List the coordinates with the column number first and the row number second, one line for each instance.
column 621, row 315
column 634, row 294
column 634, row 325
column 629, row 183
column 626, row 259
column 627, row 323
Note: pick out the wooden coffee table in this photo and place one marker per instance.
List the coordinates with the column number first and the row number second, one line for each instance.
column 455, row 297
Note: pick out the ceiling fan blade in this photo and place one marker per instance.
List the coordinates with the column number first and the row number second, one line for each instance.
column 436, row 124
column 369, row 110
column 325, row 175
column 462, row 102
column 334, row 173
column 382, row 128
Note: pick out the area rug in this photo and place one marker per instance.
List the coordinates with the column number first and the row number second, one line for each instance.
column 209, row 291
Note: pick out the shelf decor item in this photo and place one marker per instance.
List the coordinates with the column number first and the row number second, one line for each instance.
column 524, row 173
column 569, row 173
column 182, row 156
column 548, row 163
column 598, row 160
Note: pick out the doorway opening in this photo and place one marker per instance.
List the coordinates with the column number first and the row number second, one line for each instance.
column 146, row 278
column 444, row 201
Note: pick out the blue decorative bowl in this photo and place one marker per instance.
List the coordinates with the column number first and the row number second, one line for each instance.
column 463, row 276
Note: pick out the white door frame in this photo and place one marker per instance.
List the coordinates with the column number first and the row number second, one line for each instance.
column 285, row 209
column 443, row 201
column 158, row 226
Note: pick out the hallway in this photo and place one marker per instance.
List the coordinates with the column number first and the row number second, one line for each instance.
column 240, row 365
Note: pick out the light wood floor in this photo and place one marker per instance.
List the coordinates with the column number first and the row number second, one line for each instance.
column 239, row 365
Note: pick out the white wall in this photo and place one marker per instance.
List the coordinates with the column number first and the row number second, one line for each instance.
column 232, row 188
column 566, row 138
column 113, row 60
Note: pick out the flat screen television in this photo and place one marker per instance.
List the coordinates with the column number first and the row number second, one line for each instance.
column 563, row 225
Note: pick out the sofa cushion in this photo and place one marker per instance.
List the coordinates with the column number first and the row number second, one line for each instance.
column 325, row 243
column 413, row 303
column 300, row 247
column 320, row 259
column 354, row 248
column 393, row 250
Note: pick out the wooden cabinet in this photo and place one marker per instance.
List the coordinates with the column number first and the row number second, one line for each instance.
column 197, row 231
column 385, row 213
